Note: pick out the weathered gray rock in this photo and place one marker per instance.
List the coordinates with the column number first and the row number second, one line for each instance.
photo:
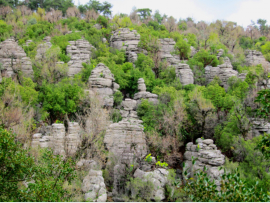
column 102, row 83
column 94, row 187
column 13, row 59
column 80, row 51
column 98, row 26
column 208, row 156
column 220, row 53
column 126, row 135
column 158, row 177
column 128, row 40
column 86, row 164
column 254, row 58
column 142, row 94
column 259, row 127
column 183, row 71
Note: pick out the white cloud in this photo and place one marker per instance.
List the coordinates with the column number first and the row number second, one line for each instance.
column 175, row 8
column 251, row 10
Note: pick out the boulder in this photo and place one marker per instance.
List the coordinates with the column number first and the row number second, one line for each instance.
column 142, row 94
column 128, row 40
column 207, row 157
column 158, row 177
column 13, row 58
column 102, row 83
column 254, row 58
column 80, row 51
column 94, row 187
column 183, row 71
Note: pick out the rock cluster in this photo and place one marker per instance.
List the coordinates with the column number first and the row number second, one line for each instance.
column 43, row 47
column 208, row 156
column 80, row 51
column 183, row 71
column 56, row 138
column 128, row 40
column 102, row 83
column 143, row 94
column 13, row 58
column 94, row 187
column 254, row 58
column 158, row 177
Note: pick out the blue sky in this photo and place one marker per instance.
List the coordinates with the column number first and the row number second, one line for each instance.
column 240, row 11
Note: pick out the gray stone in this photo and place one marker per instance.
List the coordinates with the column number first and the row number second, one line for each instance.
column 208, row 141
column 94, row 187
column 80, row 51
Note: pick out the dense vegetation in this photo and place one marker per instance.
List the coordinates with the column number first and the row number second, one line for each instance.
column 184, row 113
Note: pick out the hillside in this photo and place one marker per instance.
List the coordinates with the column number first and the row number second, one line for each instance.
column 131, row 107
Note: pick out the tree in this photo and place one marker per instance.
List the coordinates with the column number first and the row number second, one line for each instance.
column 264, row 29
column 44, row 178
column 182, row 49
column 144, row 12
column 157, row 16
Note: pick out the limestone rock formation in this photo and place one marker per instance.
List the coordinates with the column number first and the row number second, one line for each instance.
column 254, row 58
column 80, row 51
column 98, row 26
column 94, row 187
column 183, row 71
column 13, row 58
column 142, row 94
column 158, row 177
column 208, row 156
column 102, row 83
column 43, row 47
column 128, row 40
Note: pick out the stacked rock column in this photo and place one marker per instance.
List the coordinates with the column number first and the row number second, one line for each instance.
column 73, row 138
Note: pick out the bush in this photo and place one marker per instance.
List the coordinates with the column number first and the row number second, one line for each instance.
column 45, row 178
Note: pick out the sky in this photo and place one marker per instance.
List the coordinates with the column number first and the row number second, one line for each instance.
column 240, row 11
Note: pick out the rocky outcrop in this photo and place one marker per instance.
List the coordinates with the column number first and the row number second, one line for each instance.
column 254, row 58
column 208, row 157
column 127, row 40
column 223, row 71
column 56, row 138
column 102, row 83
column 143, row 94
column 97, row 26
column 158, row 177
column 80, row 51
column 94, row 187
column 43, row 47
column 183, row 71
column 13, row 58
